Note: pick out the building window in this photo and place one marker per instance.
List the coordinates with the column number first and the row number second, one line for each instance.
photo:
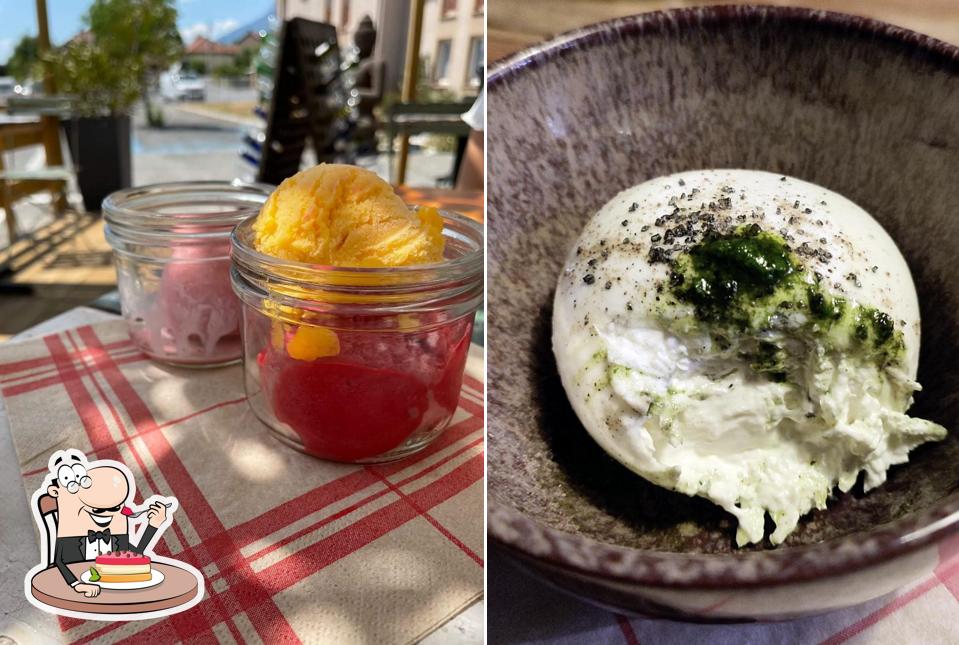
column 345, row 13
column 474, row 71
column 448, row 9
column 479, row 6
column 441, row 73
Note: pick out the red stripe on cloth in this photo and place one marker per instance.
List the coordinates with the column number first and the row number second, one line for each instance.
column 343, row 512
column 952, row 586
column 210, row 408
column 93, row 422
column 153, row 488
column 166, row 424
column 949, row 550
column 708, row 609
column 896, row 604
column 317, row 556
column 47, row 361
column 151, row 484
column 474, row 383
column 451, row 435
column 445, row 532
column 36, row 471
column 68, row 623
column 948, row 569
column 472, row 407
column 33, row 386
column 627, row 628
column 78, row 358
column 449, row 484
column 269, row 621
column 300, row 507
column 338, row 489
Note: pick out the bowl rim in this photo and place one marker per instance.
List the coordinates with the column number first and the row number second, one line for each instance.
column 537, row 54
column 516, row 533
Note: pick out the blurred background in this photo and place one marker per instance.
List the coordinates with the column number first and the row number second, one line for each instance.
column 515, row 24
column 97, row 95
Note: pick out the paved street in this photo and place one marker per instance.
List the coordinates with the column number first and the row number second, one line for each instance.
column 193, row 146
column 188, row 147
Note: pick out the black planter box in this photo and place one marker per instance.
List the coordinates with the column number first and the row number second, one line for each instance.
column 100, row 147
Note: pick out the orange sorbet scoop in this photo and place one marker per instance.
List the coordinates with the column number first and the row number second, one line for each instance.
column 340, row 215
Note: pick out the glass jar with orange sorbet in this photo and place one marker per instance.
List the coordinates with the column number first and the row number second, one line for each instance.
column 357, row 314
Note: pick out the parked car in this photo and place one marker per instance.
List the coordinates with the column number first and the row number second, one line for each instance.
column 29, row 88
column 182, row 86
column 7, row 85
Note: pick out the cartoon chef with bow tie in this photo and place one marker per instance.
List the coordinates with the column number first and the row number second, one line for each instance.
column 92, row 516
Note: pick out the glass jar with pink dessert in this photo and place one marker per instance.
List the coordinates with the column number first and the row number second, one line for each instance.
column 357, row 316
column 171, row 245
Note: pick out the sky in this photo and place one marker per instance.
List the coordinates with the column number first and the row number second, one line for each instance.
column 210, row 18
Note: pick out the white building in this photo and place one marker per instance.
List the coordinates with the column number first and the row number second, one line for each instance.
column 452, row 40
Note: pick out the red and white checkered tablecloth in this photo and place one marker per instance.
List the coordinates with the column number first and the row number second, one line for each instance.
column 524, row 610
column 293, row 549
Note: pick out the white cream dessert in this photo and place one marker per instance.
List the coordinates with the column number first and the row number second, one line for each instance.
column 745, row 337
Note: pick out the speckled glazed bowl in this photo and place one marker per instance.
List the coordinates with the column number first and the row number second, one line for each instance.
column 862, row 108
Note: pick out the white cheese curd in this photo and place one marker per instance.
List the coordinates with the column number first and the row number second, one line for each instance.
column 762, row 405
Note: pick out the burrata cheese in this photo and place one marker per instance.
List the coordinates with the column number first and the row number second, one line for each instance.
column 745, row 337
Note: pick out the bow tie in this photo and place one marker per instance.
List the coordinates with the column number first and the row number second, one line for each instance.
column 92, row 536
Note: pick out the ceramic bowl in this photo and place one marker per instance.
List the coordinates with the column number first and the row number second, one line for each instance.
column 863, row 108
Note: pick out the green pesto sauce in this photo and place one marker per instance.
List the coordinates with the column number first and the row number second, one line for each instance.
column 749, row 282
column 725, row 270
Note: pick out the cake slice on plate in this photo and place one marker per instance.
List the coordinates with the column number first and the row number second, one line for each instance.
column 123, row 566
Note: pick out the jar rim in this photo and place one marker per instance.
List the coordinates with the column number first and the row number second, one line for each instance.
column 146, row 208
column 469, row 265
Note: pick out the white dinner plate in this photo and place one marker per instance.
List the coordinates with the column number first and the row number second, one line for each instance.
column 155, row 578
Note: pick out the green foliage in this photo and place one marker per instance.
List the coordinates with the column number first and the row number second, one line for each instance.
column 425, row 92
column 195, row 65
column 23, row 59
column 142, row 32
column 99, row 85
column 244, row 60
column 241, row 65
column 226, row 70
column 155, row 117
column 130, row 41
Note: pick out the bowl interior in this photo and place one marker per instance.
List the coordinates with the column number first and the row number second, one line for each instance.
column 863, row 110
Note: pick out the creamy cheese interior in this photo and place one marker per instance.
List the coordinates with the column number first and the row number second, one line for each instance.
column 764, row 409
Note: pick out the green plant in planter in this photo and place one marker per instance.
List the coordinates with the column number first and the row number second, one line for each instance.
column 99, row 85
column 128, row 42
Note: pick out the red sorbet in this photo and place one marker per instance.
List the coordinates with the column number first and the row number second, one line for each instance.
column 373, row 395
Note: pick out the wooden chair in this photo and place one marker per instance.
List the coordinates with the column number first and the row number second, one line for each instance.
column 50, row 515
column 32, row 121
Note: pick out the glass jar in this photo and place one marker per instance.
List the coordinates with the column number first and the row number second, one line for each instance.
column 358, row 365
column 171, row 246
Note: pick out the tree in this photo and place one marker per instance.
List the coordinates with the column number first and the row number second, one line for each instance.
column 243, row 62
column 98, row 83
column 194, row 65
column 139, row 33
column 23, row 59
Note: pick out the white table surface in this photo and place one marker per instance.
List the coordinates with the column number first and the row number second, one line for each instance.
column 20, row 550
